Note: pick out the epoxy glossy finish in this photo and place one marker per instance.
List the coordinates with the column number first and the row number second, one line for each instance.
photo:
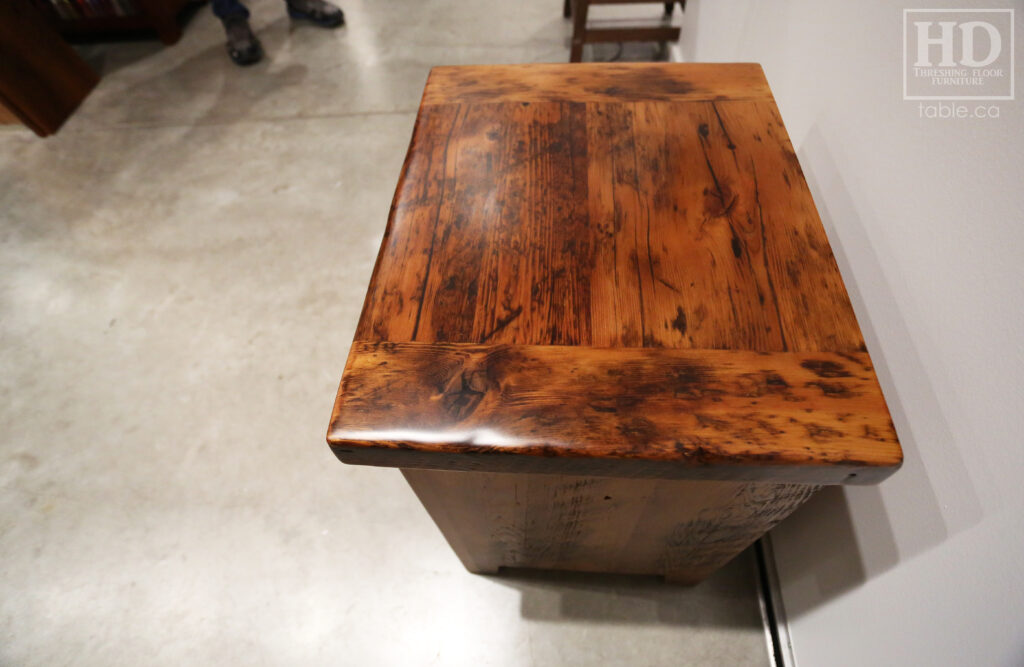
column 706, row 414
column 647, row 206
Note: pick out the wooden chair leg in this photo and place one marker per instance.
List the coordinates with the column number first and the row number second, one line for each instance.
column 579, row 29
column 567, row 9
column 669, row 6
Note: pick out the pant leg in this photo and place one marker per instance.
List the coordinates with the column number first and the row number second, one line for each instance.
column 229, row 9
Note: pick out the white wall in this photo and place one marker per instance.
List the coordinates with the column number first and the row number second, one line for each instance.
column 926, row 217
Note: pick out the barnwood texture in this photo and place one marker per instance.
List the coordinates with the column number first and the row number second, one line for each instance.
column 682, row 530
column 701, row 414
column 608, row 280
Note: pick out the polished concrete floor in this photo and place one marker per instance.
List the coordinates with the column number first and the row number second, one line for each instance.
column 181, row 269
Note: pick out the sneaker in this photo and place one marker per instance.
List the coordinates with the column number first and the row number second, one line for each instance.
column 318, row 11
column 243, row 47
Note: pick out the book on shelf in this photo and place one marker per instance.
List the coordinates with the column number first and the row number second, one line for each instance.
column 72, row 10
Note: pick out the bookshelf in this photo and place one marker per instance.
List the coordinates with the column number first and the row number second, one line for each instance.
column 81, row 18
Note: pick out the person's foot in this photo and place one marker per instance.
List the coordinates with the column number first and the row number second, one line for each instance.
column 319, row 12
column 243, row 47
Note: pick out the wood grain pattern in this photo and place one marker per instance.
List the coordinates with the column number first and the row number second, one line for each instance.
column 654, row 224
column 595, row 82
column 682, row 530
column 708, row 414
column 598, row 273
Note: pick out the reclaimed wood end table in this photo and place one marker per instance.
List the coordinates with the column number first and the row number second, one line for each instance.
column 606, row 331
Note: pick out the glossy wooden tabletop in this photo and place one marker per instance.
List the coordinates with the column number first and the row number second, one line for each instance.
column 609, row 269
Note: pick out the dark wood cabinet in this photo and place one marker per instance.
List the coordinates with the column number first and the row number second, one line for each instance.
column 42, row 79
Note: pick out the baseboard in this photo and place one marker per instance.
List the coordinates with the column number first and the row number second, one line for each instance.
column 773, row 613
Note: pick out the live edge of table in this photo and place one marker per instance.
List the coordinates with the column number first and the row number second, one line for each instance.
column 606, row 331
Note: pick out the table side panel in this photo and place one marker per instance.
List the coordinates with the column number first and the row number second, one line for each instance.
column 682, row 530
